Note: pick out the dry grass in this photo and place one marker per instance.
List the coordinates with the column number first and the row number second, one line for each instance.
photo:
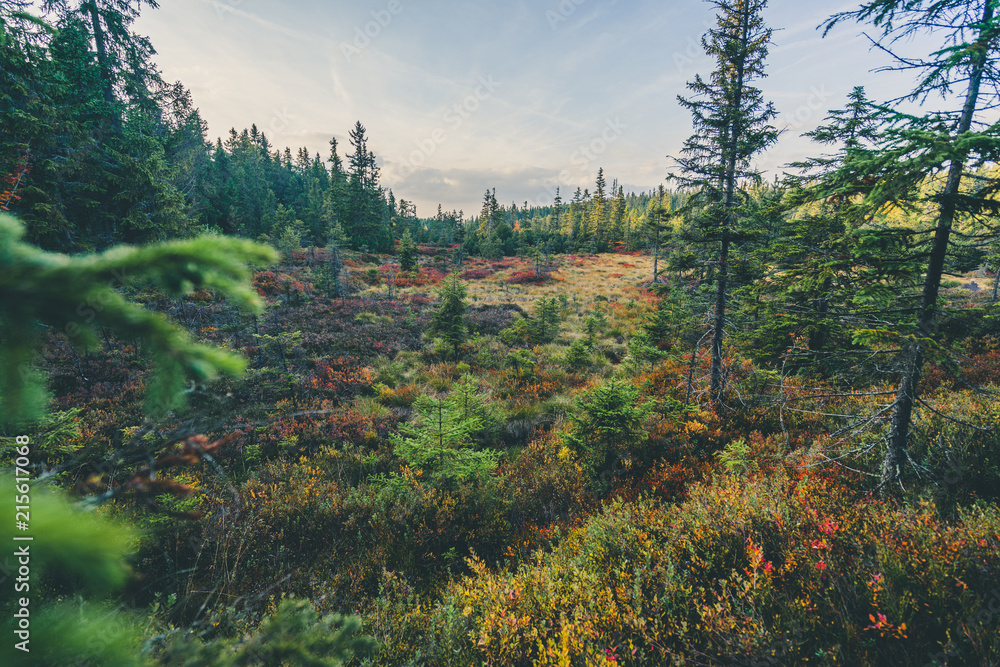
column 583, row 278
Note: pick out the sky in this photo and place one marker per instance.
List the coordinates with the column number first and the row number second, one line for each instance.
column 521, row 96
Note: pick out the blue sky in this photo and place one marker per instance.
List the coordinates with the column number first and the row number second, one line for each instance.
column 520, row 96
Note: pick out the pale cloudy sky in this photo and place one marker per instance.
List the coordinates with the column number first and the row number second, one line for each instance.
column 458, row 97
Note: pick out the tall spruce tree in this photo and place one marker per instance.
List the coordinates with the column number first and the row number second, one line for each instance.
column 367, row 206
column 840, row 266
column 952, row 142
column 655, row 227
column 732, row 124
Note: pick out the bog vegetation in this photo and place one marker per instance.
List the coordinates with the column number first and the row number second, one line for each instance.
column 733, row 422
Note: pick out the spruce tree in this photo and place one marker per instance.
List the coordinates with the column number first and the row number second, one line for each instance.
column 732, row 124
column 841, row 267
column 407, row 253
column 439, row 442
column 367, row 207
column 608, row 425
column 655, row 227
column 599, row 213
column 448, row 322
column 952, row 142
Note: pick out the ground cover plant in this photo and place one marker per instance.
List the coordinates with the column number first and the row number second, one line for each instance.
column 487, row 499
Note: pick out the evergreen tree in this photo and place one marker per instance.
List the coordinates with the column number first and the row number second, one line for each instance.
column 608, row 425
column 365, row 198
column 731, row 123
column 448, row 322
column 947, row 141
column 295, row 634
column 407, row 253
column 460, row 234
column 599, row 213
column 655, row 228
column 841, row 267
column 440, row 443
column 617, row 233
column 329, row 278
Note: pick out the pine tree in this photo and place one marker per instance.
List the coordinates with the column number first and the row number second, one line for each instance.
column 731, row 123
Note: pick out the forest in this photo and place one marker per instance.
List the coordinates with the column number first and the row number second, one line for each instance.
column 255, row 411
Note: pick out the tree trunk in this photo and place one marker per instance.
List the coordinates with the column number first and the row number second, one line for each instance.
column 102, row 52
column 906, row 396
column 996, row 282
column 818, row 338
column 729, row 182
column 720, row 320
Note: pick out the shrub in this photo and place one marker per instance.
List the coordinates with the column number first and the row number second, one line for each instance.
column 760, row 569
column 477, row 274
column 526, row 277
column 294, row 634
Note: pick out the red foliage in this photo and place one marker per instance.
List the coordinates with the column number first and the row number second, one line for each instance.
column 523, row 277
column 271, row 284
column 476, row 274
column 13, row 180
column 620, row 250
column 340, row 376
column 426, row 276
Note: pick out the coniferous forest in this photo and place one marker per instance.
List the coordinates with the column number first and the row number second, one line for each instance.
column 254, row 410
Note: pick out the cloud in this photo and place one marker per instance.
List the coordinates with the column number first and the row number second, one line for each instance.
column 280, row 66
column 223, row 8
column 455, row 188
